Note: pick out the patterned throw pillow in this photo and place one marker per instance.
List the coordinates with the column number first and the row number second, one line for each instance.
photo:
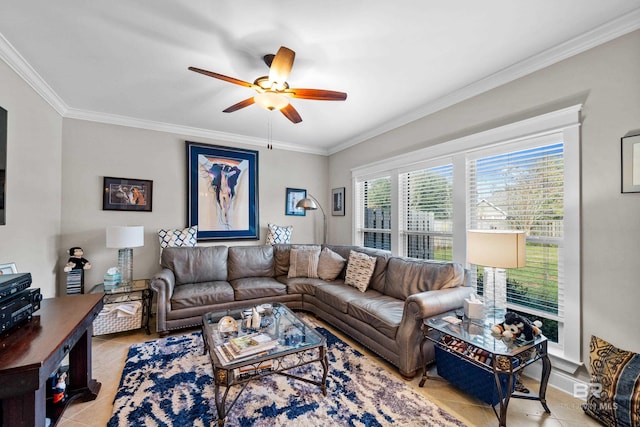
column 330, row 264
column 359, row 270
column 616, row 402
column 304, row 262
column 278, row 234
column 177, row 237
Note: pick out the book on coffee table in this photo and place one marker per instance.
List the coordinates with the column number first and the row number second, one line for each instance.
column 245, row 347
column 251, row 344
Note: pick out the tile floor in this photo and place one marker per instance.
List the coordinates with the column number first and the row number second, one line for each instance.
column 110, row 352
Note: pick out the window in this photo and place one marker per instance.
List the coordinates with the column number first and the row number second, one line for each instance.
column 426, row 227
column 523, row 176
column 524, row 190
column 375, row 204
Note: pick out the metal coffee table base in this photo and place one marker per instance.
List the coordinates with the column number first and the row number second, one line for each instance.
column 281, row 364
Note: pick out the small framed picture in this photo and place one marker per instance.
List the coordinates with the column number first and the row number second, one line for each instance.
column 631, row 164
column 8, row 268
column 124, row 194
column 293, row 196
column 337, row 201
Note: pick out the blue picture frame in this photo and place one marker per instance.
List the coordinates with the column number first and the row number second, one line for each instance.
column 292, row 197
column 222, row 191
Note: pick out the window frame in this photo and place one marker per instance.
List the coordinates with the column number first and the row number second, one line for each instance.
column 566, row 124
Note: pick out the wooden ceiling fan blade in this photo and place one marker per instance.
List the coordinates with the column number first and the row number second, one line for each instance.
column 239, row 105
column 223, row 77
column 316, row 94
column 291, row 114
column 281, row 65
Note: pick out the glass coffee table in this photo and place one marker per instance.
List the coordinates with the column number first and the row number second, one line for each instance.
column 286, row 342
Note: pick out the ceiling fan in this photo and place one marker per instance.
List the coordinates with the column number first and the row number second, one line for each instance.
column 273, row 90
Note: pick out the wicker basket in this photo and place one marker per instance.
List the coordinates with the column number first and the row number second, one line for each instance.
column 110, row 323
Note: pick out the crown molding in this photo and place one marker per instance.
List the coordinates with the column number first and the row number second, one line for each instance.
column 18, row 64
column 596, row 37
column 114, row 119
column 607, row 32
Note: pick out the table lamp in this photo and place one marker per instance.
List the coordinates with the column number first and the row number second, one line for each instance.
column 124, row 238
column 496, row 250
column 311, row 204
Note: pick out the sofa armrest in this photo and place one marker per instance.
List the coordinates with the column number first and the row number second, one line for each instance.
column 163, row 283
column 416, row 308
column 432, row 303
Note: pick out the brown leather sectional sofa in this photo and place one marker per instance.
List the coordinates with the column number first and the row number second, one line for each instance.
column 386, row 317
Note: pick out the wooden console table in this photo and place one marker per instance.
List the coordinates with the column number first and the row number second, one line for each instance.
column 32, row 351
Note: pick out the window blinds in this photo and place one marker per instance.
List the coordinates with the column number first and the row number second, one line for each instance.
column 426, row 212
column 524, row 190
column 374, row 221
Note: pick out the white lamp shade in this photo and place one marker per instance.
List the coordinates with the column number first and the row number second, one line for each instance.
column 496, row 248
column 125, row 236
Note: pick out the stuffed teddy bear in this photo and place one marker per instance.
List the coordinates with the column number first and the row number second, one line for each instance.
column 515, row 325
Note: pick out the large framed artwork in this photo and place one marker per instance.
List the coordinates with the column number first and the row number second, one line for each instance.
column 125, row 194
column 631, row 164
column 222, row 192
column 293, row 196
column 3, row 163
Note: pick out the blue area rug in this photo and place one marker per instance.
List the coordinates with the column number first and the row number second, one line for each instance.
column 168, row 382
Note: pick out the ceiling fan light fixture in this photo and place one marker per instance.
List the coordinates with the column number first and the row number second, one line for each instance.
column 271, row 100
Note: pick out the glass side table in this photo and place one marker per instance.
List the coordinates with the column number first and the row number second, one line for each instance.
column 472, row 344
column 110, row 322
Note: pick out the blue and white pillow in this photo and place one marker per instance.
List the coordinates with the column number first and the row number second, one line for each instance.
column 278, row 234
column 174, row 237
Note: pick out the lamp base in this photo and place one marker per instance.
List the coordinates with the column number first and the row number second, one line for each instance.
column 495, row 292
column 125, row 265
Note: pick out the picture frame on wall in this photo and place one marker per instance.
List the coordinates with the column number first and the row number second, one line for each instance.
column 126, row 194
column 8, row 268
column 292, row 197
column 222, row 192
column 631, row 164
column 337, row 201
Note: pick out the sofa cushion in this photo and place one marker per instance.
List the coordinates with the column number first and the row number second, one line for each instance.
column 250, row 261
column 278, row 234
column 378, row 278
column 201, row 294
column 339, row 296
column 617, row 372
column 257, row 287
column 301, row 285
column 330, row 264
column 382, row 312
column 303, row 262
column 197, row 264
column 281, row 259
column 359, row 270
column 408, row 276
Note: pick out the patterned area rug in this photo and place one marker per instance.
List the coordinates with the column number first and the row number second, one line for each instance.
column 168, row 382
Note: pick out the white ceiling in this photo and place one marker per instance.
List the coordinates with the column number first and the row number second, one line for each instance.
column 125, row 62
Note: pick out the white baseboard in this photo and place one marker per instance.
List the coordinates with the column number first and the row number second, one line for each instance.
column 558, row 379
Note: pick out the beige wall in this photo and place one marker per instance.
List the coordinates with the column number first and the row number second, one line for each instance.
column 31, row 235
column 93, row 150
column 606, row 79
